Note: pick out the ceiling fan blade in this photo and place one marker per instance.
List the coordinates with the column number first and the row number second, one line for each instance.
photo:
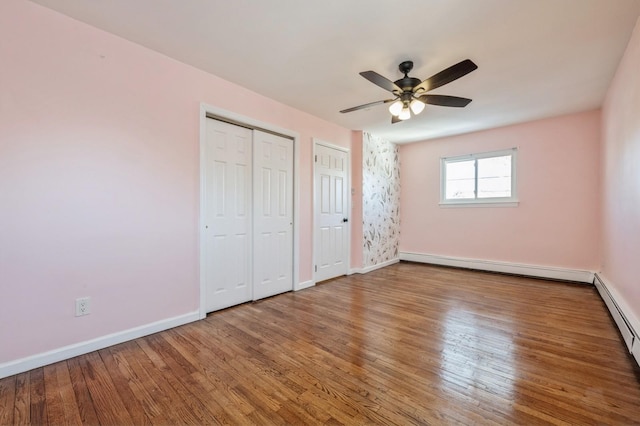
column 446, row 76
column 381, row 81
column 444, row 100
column 386, row 101
column 395, row 119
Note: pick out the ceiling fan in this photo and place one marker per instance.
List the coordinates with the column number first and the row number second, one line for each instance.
column 410, row 93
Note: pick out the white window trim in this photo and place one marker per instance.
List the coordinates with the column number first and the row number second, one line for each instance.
column 480, row 202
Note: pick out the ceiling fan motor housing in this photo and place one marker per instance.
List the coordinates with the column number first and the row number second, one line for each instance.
column 406, row 83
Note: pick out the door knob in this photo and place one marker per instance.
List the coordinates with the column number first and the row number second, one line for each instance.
column 345, row 220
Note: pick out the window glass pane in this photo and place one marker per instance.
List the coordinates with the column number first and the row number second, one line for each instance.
column 494, row 177
column 460, row 180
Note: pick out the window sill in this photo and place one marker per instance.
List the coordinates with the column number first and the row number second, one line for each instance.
column 454, row 204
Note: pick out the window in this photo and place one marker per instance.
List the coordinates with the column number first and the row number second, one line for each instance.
column 486, row 178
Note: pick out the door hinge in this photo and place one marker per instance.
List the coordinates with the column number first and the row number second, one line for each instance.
column 316, row 268
column 316, row 159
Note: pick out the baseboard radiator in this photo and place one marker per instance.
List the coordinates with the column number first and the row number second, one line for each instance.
column 629, row 335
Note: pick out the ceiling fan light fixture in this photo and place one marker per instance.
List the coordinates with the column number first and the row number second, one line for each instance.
column 396, row 108
column 405, row 114
column 417, row 106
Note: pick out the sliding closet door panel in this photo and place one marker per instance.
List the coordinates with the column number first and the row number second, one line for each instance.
column 228, row 179
column 273, row 215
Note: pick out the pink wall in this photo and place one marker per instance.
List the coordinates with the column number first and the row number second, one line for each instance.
column 557, row 221
column 356, row 199
column 621, row 179
column 99, row 180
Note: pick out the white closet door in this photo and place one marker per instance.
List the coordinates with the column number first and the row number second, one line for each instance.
column 273, row 215
column 330, row 204
column 227, row 215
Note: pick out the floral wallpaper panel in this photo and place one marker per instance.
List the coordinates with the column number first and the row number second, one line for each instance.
column 380, row 200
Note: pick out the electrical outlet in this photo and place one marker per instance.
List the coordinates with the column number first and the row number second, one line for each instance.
column 83, row 306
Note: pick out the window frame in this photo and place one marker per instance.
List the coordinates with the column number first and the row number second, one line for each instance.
column 511, row 201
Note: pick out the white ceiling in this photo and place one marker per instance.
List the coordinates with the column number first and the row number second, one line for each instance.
column 536, row 58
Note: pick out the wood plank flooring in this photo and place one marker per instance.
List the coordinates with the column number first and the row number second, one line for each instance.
column 407, row 344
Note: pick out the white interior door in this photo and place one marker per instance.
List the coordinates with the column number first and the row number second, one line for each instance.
column 331, row 236
column 228, row 167
column 273, row 214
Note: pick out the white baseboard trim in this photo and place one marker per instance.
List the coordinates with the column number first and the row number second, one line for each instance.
column 625, row 319
column 39, row 360
column 504, row 267
column 303, row 285
column 371, row 268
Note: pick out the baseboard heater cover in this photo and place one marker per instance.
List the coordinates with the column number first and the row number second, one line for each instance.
column 626, row 330
column 537, row 271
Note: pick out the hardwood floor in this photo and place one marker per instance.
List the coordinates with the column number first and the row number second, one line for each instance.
column 407, row 344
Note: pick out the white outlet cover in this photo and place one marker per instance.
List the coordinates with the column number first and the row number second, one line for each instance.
column 83, row 306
